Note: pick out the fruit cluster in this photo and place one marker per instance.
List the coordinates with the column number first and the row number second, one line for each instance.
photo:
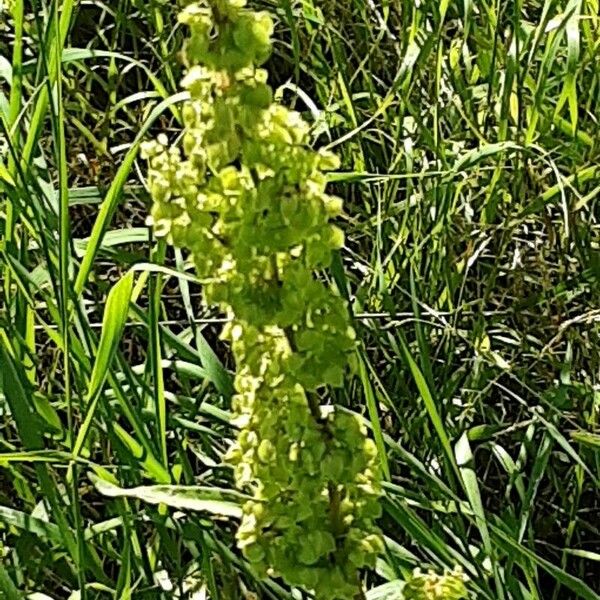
column 431, row 586
column 246, row 195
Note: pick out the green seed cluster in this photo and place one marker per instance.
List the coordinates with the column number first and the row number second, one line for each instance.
column 246, row 195
column 431, row 586
column 6, row 5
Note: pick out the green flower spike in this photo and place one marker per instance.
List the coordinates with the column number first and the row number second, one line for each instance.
column 431, row 586
column 246, row 195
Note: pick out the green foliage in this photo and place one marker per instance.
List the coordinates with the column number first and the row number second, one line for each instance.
column 469, row 143
column 247, row 197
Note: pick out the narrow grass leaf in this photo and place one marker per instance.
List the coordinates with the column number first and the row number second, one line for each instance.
column 7, row 587
column 113, row 323
column 464, row 458
column 373, row 415
column 113, row 195
column 430, row 406
column 146, row 459
column 212, row 500
column 587, row 438
column 522, row 554
column 38, row 527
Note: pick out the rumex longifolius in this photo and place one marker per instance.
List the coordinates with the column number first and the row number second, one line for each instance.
column 246, row 195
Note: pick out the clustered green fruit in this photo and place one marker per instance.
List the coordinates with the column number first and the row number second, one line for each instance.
column 246, row 195
column 431, row 586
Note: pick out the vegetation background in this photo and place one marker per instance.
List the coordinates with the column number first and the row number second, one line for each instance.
column 470, row 139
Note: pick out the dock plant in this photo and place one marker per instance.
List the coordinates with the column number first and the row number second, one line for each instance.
column 246, row 195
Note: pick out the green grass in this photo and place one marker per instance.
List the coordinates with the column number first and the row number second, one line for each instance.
column 471, row 149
